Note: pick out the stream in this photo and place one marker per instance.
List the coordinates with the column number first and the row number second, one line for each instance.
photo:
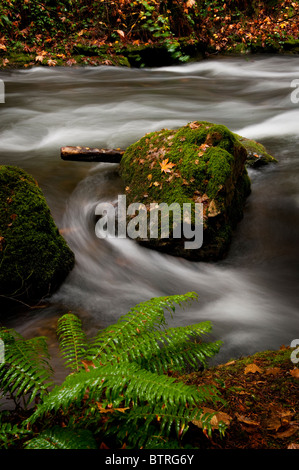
column 252, row 296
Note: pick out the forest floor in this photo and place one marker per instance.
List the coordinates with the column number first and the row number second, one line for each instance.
column 261, row 393
column 143, row 33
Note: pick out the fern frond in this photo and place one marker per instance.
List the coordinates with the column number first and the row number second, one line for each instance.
column 73, row 343
column 186, row 355
column 9, row 433
column 150, row 424
column 63, row 438
column 144, row 317
column 26, row 369
column 127, row 383
column 173, row 348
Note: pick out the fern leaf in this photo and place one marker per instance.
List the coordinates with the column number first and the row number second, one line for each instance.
column 11, row 432
column 72, row 339
column 126, row 383
column 63, row 438
column 26, row 370
column 144, row 317
column 152, row 424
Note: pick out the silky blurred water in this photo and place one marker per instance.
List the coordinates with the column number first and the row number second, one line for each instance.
column 251, row 297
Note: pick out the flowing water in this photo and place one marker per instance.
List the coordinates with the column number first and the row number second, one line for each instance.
column 251, row 297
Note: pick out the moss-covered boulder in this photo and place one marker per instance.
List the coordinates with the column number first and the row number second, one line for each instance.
column 257, row 155
column 198, row 163
column 34, row 258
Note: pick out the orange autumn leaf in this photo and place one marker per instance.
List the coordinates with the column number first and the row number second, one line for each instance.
column 165, row 166
column 204, row 147
column 253, row 368
column 39, row 58
column 121, row 33
column 295, row 373
column 51, row 62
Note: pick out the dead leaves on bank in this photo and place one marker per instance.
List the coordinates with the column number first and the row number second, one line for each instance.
column 262, row 402
column 218, row 417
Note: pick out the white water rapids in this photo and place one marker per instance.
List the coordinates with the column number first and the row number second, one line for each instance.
column 251, row 297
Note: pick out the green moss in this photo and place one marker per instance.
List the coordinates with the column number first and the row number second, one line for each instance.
column 207, row 165
column 34, row 258
column 257, row 155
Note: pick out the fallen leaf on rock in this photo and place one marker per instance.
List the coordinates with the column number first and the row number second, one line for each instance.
column 253, row 368
column 165, row 166
column 212, row 210
column 194, row 125
column 204, row 147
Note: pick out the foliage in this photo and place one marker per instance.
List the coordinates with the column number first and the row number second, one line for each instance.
column 63, row 438
column 67, row 32
column 120, row 388
column 26, row 372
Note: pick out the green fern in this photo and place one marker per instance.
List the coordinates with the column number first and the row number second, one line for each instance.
column 119, row 377
column 10, row 433
column 73, row 342
column 26, row 371
column 125, row 367
column 145, row 317
column 63, row 438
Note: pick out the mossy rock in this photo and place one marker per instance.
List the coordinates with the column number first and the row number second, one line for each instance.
column 208, row 167
column 34, row 257
column 257, row 155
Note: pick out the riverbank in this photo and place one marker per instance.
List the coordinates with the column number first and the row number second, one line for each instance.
column 142, row 33
column 261, row 394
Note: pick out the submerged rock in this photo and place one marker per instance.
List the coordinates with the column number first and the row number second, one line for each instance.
column 257, row 155
column 199, row 163
column 34, row 258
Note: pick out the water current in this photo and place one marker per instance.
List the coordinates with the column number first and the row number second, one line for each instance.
column 252, row 296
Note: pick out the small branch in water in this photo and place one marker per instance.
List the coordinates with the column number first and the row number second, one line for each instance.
column 23, row 303
column 87, row 154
